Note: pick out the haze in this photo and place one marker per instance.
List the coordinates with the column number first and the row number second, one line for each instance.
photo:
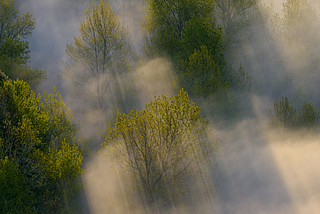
column 257, row 171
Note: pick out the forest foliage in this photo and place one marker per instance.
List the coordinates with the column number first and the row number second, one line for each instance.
column 284, row 115
column 100, row 59
column 165, row 146
column 41, row 158
column 162, row 146
column 14, row 52
column 187, row 32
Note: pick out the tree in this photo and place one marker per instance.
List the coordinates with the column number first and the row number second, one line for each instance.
column 12, row 24
column 99, row 58
column 14, row 52
column 187, row 32
column 286, row 116
column 200, row 74
column 38, row 140
column 162, row 145
column 234, row 15
column 309, row 116
column 297, row 32
column 166, row 23
column 282, row 114
column 64, row 167
column 299, row 17
column 14, row 196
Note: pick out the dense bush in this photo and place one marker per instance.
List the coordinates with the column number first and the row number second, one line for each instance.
column 40, row 154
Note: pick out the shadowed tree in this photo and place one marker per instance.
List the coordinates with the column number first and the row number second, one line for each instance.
column 309, row 116
column 282, row 114
column 234, row 15
column 188, row 33
column 14, row 52
column 166, row 23
column 99, row 58
column 40, row 158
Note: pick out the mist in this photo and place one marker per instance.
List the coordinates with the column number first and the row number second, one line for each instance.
column 258, row 171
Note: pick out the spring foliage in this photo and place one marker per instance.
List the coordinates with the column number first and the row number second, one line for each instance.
column 99, row 57
column 161, row 145
column 40, row 154
column 187, row 32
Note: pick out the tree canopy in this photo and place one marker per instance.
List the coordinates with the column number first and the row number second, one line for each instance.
column 169, row 28
column 99, row 58
column 162, row 145
column 40, row 158
column 14, row 25
column 188, row 34
column 284, row 115
column 14, row 52
column 234, row 16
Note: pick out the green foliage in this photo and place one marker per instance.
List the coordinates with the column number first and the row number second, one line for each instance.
column 199, row 33
column 169, row 25
column 309, row 116
column 15, row 49
column 35, row 133
column 187, row 32
column 99, row 57
column 14, row 56
column 64, row 167
column 162, row 145
column 61, row 128
column 202, row 77
column 14, row 197
column 20, row 104
column 65, row 162
column 14, row 52
column 200, row 74
column 12, row 24
column 284, row 115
